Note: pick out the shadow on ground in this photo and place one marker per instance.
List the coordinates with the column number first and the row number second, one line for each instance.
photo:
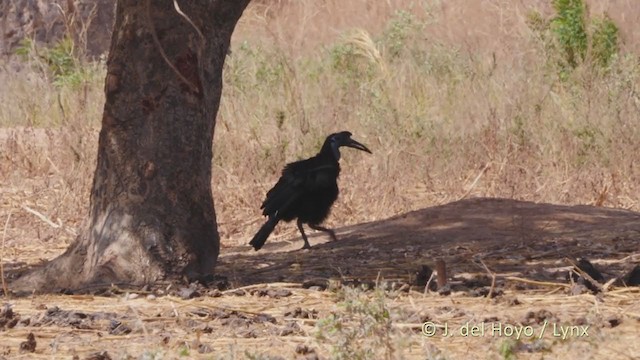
column 518, row 238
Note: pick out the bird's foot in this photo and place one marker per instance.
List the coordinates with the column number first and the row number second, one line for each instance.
column 328, row 231
column 306, row 246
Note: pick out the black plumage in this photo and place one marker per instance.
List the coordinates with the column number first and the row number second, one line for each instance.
column 306, row 190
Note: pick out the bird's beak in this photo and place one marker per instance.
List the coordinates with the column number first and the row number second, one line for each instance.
column 356, row 145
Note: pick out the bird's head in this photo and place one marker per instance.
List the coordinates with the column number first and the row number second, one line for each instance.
column 335, row 141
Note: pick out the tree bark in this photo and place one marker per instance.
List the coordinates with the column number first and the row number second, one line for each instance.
column 151, row 210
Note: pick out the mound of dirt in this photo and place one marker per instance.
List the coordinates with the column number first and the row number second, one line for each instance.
column 540, row 242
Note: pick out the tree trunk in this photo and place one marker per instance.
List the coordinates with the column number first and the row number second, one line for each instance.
column 152, row 214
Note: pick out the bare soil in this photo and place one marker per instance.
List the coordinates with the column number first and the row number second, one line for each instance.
column 508, row 264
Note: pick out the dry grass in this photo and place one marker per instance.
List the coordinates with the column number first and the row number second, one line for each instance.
column 455, row 98
column 452, row 105
column 466, row 107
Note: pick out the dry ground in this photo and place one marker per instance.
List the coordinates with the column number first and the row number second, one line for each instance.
column 281, row 298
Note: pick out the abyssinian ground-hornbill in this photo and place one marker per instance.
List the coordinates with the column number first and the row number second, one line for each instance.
column 306, row 190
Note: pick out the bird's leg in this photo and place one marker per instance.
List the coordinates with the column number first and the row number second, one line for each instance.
column 324, row 229
column 304, row 236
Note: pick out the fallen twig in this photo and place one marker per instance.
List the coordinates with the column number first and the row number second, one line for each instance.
column 493, row 279
column 260, row 286
column 4, row 236
column 535, row 282
column 41, row 217
column 46, row 220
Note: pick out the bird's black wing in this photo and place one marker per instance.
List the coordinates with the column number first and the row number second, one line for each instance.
column 297, row 178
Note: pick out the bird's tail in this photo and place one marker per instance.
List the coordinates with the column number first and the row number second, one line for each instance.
column 261, row 236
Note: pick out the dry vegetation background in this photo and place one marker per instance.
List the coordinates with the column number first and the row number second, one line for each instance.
column 455, row 98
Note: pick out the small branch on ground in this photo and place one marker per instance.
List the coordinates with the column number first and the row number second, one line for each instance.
column 441, row 270
column 493, row 279
column 48, row 221
column 41, row 217
column 535, row 282
column 4, row 236
column 426, row 287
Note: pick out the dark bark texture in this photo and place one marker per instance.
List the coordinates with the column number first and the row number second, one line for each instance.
column 152, row 213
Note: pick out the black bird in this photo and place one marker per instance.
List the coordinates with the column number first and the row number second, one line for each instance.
column 306, row 190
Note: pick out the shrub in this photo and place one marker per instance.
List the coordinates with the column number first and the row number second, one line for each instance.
column 569, row 28
column 59, row 62
column 573, row 41
column 604, row 41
